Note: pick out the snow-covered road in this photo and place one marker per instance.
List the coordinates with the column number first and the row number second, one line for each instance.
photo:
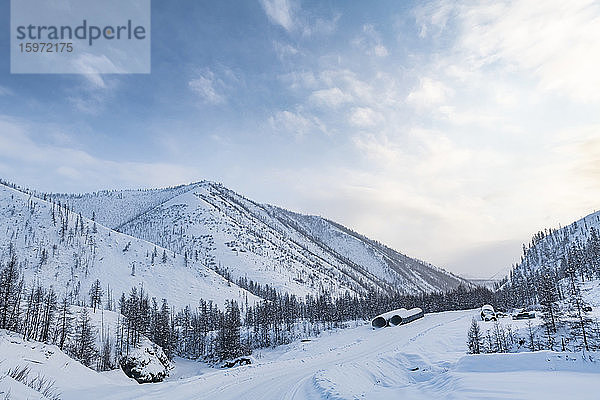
column 341, row 364
column 424, row 359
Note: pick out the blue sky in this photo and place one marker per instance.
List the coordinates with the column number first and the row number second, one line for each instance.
column 451, row 131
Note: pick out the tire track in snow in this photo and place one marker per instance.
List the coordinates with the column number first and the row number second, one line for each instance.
column 428, row 376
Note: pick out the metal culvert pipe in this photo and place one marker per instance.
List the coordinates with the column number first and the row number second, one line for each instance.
column 379, row 322
column 395, row 320
column 397, row 317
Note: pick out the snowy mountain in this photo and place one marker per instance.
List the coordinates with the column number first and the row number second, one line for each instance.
column 552, row 256
column 549, row 247
column 57, row 247
column 295, row 253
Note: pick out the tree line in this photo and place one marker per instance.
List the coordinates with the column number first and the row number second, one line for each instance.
column 206, row 331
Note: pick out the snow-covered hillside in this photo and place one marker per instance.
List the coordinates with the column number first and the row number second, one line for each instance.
column 363, row 253
column 294, row 253
column 59, row 248
column 548, row 247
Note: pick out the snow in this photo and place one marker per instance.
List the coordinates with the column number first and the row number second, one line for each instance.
column 105, row 255
column 424, row 359
column 48, row 361
column 294, row 253
column 14, row 389
column 590, row 290
column 548, row 251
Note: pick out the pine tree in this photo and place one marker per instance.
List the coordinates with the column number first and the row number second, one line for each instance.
column 531, row 336
column 96, row 295
column 154, row 254
column 163, row 329
column 48, row 314
column 64, row 324
column 576, row 307
column 228, row 337
column 474, row 338
column 548, row 295
column 11, row 285
column 105, row 360
column 84, row 348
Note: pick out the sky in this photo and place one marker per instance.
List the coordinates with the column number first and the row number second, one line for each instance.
column 451, row 131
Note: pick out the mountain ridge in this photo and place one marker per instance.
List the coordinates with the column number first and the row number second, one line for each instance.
column 335, row 253
column 60, row 248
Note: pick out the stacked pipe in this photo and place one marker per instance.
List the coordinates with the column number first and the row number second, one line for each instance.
column 397, row 317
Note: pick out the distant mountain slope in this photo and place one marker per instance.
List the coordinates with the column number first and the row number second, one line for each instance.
column 368, row 255
column 550, row 257
column 60, row 248
column 548, row 248
column 289, row 251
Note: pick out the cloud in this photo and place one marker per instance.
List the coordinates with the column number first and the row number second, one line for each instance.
column 95, row 88
column 380, row 50
column 284, row 50
column 5, row 91
column 320, row 26
column 299, row 80
column 433, row 17
column 91, row 66
column 350, row 83
column 378, row 149
column 556, row 42
column 289, row 15
column 208, row 87
column 296, row 123
column 332, row 97
column 370, row 42
column 279, row 13
column 581, row 146
column 428, row 93
column 365, row 117
column 33, row 156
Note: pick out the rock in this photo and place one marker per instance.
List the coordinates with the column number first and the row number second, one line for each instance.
column 146, row 363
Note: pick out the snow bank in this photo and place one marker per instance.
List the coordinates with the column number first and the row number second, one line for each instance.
column 45, row 360
column 13, row 389
column 538, row 361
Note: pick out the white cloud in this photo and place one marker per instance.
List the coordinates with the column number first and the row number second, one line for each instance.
column 95, row 89
column 350, row 83
column 289, row 15
column 208, row 87
column 378, row 149
column 5, row 91
column 332, row 97
column 296, row 123
column 556, row 42
column 320, row 26
column 279, row 12
column 365, row 117
column 298, row 80
column 467, row 118
column 380, row 50
column 284, row 50
column 370, row 42
column 31, row 161
column 90, row 65
column 429, row 93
